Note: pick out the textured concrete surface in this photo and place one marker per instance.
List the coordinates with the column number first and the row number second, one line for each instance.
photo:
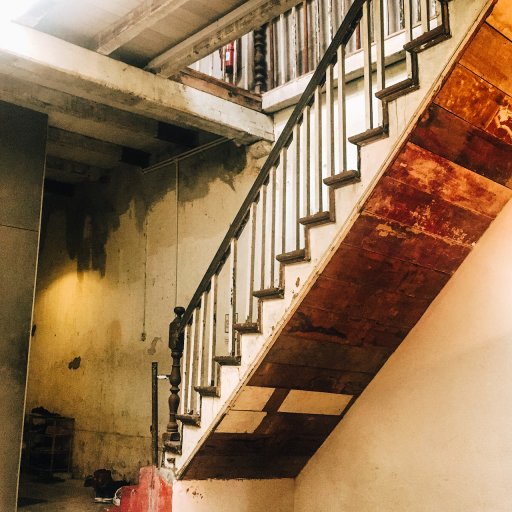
column 107, row 283
column 22, row 150
column 67, row 496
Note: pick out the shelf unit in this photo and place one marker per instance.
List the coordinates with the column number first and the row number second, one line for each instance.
column 49, row 443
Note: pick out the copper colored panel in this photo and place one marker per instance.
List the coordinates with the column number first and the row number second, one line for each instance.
column 321, row 354
column 448, row 181
column 489, row 55
column 403, row 242
column 470, row 97
column 407, row 205
column 380, row 271
column 451, row 137
column 501, row 124
column 310, row 379
column 381, row 305
column 478, row 102
column 501, row 18
column 337, row 327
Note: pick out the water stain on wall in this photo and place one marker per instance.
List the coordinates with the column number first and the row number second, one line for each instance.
column 94, row 210
column 92, row 213
column 224, row 162
column 152, row 349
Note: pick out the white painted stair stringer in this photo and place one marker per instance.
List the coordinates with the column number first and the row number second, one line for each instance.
column 434, row 64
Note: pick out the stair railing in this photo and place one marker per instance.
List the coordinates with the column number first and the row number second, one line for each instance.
column 294, row 42
column 293, row 192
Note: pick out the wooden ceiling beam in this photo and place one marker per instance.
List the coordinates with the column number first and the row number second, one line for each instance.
column 144, row 16
column 79, row 148
column 74, row 114
column 249, row 16
column 67, row 171
column 50, row 62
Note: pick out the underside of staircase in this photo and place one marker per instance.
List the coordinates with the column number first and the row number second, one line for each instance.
column 430, row 207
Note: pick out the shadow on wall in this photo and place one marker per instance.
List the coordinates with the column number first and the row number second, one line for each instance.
column 94, row 209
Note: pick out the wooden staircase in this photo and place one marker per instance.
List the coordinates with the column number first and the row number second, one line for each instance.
column 263, row 409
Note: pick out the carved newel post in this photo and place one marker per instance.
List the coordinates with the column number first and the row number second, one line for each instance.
column 260, row 60
column 171, row 438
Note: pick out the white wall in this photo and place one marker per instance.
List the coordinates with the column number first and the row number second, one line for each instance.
column 433, row 431
column 236, row 495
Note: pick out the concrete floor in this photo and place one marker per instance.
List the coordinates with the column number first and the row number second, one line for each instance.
column 67, row 496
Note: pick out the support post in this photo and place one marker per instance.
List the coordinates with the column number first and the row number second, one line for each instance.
column 260, row 59
column 154, row 413
column 172, row 438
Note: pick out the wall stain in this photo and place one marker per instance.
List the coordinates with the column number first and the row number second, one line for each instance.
column 152, row 349
column 93, row 212
column 75, row 363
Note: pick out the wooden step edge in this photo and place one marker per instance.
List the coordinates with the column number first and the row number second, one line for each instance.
column 343, row 178
column 212, row 391
column 428, row 39
column 228, row 360
column 361, row 139
column 317, row 218
column 189, row 419
column 397, row 90
column 290, row 257
column 247, row 327
column 269, row 293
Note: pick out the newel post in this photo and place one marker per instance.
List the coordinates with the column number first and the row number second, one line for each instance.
column 171, row 438
column 260, row 60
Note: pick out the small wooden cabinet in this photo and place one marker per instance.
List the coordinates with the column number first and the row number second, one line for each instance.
column 49, row 443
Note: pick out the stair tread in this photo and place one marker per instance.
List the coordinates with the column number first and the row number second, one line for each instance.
column 295, row 256
column 343, row 178
column 189, row 419
column 247, row 327
column 397, row 90
column 369, row 135
column 269, row 293
column 228, row 360
column 207, row 390
column 316, row 218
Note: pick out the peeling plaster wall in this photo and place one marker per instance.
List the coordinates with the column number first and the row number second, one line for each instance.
column 433, row 430
column 106, row 289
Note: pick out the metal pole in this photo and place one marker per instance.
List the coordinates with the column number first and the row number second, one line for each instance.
column 154, row 413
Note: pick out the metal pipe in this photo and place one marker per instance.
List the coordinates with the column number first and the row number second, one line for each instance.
column 154, row 413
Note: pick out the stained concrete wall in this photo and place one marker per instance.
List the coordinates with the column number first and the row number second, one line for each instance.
column 433, row 431
column 110, row 275
column 22, row 150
